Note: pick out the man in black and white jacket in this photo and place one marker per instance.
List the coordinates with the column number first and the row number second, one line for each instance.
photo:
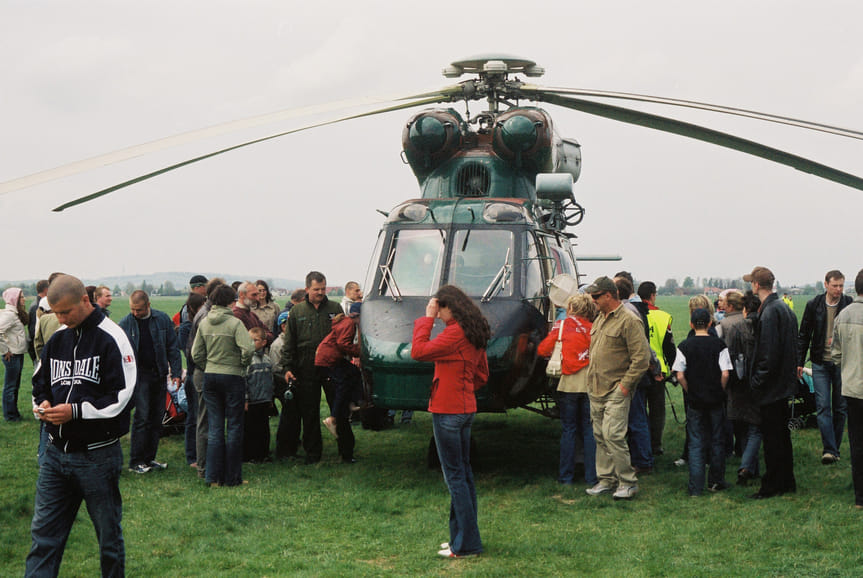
column 82, row 386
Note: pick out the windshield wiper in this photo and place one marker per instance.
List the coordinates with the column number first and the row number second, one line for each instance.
column 499, row 282
column 388, row 279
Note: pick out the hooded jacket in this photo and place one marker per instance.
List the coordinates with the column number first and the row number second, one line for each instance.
column 92, row 368
column 13, row 337
column 222, row 344
column 338, row 344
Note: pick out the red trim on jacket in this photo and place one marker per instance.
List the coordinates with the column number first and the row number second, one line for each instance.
column 459, row 368
column 338, row 343
column 576, row 344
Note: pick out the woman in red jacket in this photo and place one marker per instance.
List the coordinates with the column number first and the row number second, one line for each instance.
column 461, row 368
column 572, row 387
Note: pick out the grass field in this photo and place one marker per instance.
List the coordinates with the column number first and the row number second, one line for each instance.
column 387, row 514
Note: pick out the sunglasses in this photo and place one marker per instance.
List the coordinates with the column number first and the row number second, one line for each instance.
column 596, row 296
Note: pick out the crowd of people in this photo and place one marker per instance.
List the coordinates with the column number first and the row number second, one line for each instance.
column 738, row 368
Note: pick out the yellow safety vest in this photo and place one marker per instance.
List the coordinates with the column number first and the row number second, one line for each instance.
column 659, row 321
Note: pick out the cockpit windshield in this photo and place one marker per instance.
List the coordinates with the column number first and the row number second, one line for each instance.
column 414, row 263
column 477, row 258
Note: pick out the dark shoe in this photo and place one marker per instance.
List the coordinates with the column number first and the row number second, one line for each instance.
column 140, row 469
column 718, row 486
column 743, row 477
column 827, row 458
column 154, row 465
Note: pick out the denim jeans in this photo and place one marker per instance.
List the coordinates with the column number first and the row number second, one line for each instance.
column 11, row 384
column 749, row 459
column 191, row 419
column 640, row 451
column 64, row 480
column 575, row 424
column 705, row 426
column 225, row 396
column 150, row 392
column 344, row 378
column 832, row 409
column 452, row 436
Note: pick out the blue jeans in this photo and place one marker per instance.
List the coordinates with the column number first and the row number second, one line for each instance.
column 452, row 437
column 640, row 451
column 705, row 426
column 64, row 480
column 11, row 384
column 150, row 392
column 575, row 423
column 749, row 459
column 832, row 409
column 225, row 396
column 191, row 419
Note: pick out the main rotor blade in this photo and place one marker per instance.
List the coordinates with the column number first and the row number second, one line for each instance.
column 707, row 135
column 539, row 90
column 96, row 195
column 199, row 134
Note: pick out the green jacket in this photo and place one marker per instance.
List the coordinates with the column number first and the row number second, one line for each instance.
column 222, row 344
column 305, row 330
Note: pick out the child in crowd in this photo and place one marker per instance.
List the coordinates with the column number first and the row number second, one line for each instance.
column 259, row 401
column 336, row 355
column 702, row 366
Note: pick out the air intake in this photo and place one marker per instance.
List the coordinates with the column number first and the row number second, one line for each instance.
column 472, row 180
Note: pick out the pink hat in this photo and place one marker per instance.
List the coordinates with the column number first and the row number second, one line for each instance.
column 11, row 297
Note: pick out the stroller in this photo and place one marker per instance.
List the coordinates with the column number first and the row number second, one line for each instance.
column 803, row 410
column 174, row 420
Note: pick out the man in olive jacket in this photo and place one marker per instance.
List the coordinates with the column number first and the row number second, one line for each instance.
column 308, row 323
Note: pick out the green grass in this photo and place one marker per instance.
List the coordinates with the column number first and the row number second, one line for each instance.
column 386, row 514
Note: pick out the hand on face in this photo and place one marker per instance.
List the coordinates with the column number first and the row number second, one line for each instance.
column 432, row 308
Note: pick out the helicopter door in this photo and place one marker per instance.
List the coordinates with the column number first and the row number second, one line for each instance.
column 533, row 276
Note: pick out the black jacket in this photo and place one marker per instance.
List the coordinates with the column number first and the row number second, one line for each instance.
column 773, row 373
column 813, row 326
column 91, row 367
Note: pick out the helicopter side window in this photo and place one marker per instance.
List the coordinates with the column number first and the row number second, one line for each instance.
column 373, row 262
column 531, row 280
column 414, row 262
column 478, row 255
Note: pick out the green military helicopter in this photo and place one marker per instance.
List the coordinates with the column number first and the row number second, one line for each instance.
column 496, row 199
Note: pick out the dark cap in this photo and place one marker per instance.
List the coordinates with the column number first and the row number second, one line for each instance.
column 197, row 281
column 761, row 275
column 601, row 285
column 700, row 317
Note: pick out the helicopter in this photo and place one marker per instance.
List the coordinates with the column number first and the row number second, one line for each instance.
column 495, row 202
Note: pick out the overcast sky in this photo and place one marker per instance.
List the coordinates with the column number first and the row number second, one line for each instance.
column 84, row 78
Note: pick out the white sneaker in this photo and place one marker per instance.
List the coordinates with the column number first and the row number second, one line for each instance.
column 444, row 546
column 599, row 488
column 680, row 462
column 625, row 492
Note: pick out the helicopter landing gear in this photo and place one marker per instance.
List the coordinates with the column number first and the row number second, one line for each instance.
column 432, row 459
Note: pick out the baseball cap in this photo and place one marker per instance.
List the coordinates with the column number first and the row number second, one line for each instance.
column 197, row 281
column 600, row 285
column 283, row 316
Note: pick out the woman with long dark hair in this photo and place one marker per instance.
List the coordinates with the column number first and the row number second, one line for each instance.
column 461, row 368
column 266, row 309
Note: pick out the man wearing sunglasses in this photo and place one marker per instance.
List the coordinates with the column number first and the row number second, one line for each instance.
column 619, row 357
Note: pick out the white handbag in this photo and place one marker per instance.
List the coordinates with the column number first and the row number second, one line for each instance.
column 555, row 363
